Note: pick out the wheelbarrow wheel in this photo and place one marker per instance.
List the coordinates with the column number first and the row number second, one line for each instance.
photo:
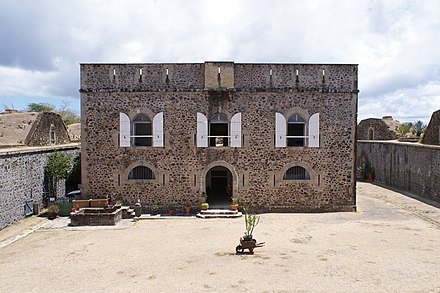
column 239, row 249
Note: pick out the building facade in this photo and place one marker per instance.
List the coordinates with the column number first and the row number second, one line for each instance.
column 279, row 137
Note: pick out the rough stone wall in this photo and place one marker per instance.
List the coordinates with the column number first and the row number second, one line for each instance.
column 257, row 167
column 379, row 127
column 39, row 135
column 22, row 178
column 408, row 166
column 432, row 133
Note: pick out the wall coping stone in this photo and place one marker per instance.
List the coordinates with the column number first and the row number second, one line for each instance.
column 38, row 149
column 410, row 144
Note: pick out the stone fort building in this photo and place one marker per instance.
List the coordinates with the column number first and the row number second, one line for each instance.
column 279, row 137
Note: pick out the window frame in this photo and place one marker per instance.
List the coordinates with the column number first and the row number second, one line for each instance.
column 133, row 128
column 300, row 169
column 145, row 169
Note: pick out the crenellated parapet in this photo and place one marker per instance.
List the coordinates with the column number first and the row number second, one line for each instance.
column 219, row 76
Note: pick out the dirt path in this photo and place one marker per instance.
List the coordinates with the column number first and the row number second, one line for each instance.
column 389, row 245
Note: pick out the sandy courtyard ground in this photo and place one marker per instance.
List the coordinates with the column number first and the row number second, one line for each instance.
column 390, row 245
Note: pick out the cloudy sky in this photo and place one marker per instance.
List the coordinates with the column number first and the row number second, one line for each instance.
column 395, row 43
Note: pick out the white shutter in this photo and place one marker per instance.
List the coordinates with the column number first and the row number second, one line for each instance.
column 124, row 130
column 202, row 131
column 158, row 130
column 280, row 130
column 314, row 131
column 236, row 131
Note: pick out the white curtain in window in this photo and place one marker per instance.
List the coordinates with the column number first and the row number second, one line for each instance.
column 314, row 131
column 280, row 130
column 124, row 130
column 158, row 130
column 236, row 131
column 202, row 131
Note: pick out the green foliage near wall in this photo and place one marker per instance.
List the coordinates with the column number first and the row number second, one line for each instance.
column 404, row 128
column 74, row 175
column 57, row 166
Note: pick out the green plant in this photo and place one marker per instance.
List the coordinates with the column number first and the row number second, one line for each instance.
column 404, row 128
column 234, row 201
column 251, row 221
column 57, row 166
column 418, row 127
column 74, row 175
column 204, row 206
column 364, row 169
column 154, row 207
column 53, row 208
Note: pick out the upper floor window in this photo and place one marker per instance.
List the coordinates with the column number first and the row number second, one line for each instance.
column 141, row 131
column 296, row 131
column 141, row 173
column 218, row 132
column 296, row 173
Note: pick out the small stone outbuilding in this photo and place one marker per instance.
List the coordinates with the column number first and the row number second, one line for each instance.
column 377, row 129
column 432, row 133
column 31, row 129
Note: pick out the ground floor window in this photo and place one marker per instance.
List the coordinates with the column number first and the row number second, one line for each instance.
column 296, row 173
column 141, row 173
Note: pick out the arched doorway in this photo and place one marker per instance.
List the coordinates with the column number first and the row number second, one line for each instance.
column 219, row 187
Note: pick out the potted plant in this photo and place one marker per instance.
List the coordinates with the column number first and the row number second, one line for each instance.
column 171, row 209
column 188, row 208
column 251, row 221
column 234, row 204
column 52, row 211
column 203, row 204
column 154, row 209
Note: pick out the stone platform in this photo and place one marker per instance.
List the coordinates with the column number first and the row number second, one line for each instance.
column 218, row 213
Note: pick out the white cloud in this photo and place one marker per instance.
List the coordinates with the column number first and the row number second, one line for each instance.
column 395, row 43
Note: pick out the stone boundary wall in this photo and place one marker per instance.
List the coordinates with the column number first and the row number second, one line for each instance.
column 22, row 178
column 408, row 166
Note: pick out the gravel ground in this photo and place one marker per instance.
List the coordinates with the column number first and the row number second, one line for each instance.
column 389, row 245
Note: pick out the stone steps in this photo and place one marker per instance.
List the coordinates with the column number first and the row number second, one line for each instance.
column 127, row 213
column 218, row 213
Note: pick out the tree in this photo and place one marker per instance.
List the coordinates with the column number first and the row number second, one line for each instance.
column 74, row 175
column 417, row 128
column 69, row 117
column 40, row 107
column 404, row 128
column 56, row 169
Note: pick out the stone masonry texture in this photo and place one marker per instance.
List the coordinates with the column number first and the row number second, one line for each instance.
column 379, row 128
column 409, row 166
column 257, row 167
column 432, row 133
column 22, row 178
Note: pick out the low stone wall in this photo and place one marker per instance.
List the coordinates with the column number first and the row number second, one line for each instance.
column 409, row 166
column 22, row 178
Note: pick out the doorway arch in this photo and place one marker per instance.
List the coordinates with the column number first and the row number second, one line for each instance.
column 219, row 186
column 216, row 177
